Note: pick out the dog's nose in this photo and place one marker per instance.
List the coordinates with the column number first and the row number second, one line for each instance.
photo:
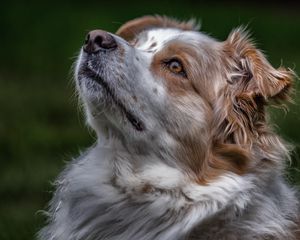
column 97, row 40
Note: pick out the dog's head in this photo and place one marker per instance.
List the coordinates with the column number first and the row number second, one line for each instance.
column 168, row 89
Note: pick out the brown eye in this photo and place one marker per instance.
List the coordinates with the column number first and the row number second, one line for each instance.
column 175, row 66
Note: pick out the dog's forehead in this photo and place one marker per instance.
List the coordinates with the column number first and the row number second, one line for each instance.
column 155, row 39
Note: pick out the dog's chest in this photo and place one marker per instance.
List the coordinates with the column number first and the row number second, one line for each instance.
column 93, row 202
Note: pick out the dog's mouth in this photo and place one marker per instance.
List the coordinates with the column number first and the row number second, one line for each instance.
column 134, row 120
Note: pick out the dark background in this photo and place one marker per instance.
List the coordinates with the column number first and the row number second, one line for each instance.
column 41, row 126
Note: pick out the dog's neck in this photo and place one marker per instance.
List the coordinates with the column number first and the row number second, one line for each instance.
column 147, row 173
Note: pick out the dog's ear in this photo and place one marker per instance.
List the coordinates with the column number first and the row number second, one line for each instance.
column 252, row 83
column 132, row 28
column 250, row 72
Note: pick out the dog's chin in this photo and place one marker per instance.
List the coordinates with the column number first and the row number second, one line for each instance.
column 101, row 96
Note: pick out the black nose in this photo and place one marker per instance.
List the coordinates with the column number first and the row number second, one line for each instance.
column 97, row 40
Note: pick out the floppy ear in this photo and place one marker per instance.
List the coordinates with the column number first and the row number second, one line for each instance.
column 132, row 28
column 252, row 84
column 249, row 70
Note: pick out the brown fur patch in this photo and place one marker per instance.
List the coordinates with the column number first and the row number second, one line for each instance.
column 253, row 83
column 130, row 29
column 199, row 77
column 176, row 84
column 256, row 73
column 147, row 188
column 209, row 161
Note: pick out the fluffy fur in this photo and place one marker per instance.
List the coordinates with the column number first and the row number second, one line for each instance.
column 184, row 151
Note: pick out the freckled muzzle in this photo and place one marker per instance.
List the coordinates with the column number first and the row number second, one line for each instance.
column 136, row 122
column 100, row 66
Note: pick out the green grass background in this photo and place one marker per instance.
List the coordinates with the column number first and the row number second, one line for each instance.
column 41, row 126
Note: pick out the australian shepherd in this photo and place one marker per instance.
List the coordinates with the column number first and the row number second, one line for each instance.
column 184, row 149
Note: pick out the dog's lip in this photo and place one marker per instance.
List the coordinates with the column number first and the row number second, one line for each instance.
column 134, row 120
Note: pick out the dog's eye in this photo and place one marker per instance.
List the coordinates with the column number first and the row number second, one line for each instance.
column 175, row 66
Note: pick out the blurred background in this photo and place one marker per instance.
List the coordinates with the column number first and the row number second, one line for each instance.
column 41, row 126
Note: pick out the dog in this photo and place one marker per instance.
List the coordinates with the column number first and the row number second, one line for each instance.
column 184, row 149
